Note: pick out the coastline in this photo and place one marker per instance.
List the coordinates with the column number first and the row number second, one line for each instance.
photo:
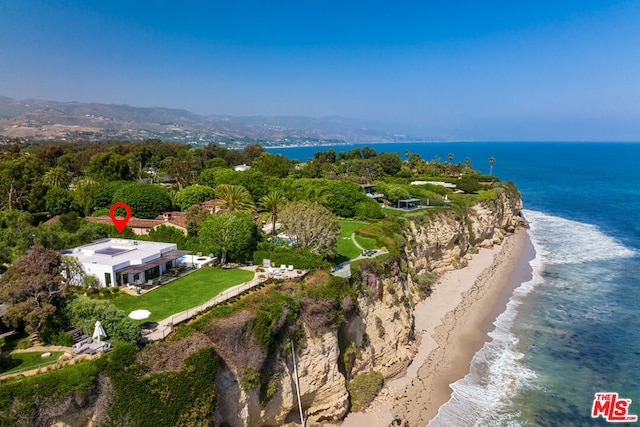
column 452, row 325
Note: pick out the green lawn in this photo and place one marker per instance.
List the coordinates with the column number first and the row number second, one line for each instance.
column 392, row 212
column 349, row 226
column 347, row 249
column 366, row 242
column 17, row 361
column 184, row 293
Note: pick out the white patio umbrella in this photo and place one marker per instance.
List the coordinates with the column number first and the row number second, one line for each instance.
column 139, row 314
column 98, row 331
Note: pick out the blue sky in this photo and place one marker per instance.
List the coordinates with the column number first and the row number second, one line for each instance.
column 493, row 70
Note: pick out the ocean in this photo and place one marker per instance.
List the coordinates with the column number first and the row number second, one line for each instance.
column 572, row 327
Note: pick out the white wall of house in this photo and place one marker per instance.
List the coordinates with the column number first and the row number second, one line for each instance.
column 132, row 252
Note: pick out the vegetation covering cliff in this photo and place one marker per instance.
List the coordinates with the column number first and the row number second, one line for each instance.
column 233, row 365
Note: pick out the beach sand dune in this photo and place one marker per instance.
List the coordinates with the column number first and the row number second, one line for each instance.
column 452, row 325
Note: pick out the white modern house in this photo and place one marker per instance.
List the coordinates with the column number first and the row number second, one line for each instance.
column 117, row 262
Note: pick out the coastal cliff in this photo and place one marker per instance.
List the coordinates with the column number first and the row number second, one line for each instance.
column 342, row 331
column 377, row 334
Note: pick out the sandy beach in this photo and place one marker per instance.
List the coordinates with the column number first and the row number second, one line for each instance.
column 452, row 325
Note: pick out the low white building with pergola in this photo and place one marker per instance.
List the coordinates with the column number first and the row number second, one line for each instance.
column 118, row 262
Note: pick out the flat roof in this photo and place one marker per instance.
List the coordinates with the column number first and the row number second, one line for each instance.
column 139, row 268
column 115, row 252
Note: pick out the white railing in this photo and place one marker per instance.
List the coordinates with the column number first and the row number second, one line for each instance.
column 165, row 327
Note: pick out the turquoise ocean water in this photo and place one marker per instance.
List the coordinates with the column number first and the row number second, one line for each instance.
column 573, row 329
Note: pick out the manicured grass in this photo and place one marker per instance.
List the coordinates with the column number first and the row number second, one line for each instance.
column 347, row 249
column 392, row 212
column 17, row 361
column 349, row 226
column 366, row 242
column 184, row 293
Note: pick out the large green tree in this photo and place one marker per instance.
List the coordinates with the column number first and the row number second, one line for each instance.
column 254, row 181
column 145, row 200
column 193, row 195
column 344, row 197
column 84, row 195
column 273, row 165
column 168, row 234
column 34, row 287
column 84, row 313
column 229, row 235
column 311, row 226
column 108, row 167
column 58, row 201
column 18, row 174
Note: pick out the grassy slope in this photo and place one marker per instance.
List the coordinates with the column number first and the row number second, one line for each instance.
column 184, row 293
column 16, row 361
column 346, row 247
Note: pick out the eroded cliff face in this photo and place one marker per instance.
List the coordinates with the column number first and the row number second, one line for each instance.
column 379, row 334
column 374, row 333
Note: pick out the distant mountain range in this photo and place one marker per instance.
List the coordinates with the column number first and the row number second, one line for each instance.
column 50, row 120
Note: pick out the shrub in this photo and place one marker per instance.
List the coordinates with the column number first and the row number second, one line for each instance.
column 23, row 343
column 468, row 184
column 424, row 281
column 284, row 255
column 250, row 378
column 369, row 209
column 145, row 200
column 363, row 388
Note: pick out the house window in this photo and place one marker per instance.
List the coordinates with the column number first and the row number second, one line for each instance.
column 107, row 279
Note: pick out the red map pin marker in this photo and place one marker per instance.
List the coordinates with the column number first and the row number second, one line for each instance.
column 120, row 223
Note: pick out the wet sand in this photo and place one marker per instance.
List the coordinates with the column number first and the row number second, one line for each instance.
column 452, row 325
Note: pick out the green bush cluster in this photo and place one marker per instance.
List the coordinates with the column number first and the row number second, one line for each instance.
column 363, row 389
column 19, row 397
column 283, row 255
column 368, row 209
column 186, row 397
column 423, row 282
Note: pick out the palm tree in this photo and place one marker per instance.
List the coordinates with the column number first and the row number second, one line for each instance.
column 273, row 203
column 57, row 177
column 451, row 157
column 491, row 162
column 235, row 197
column 319, row 195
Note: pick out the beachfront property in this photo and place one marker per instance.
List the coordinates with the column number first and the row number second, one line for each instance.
column 119, row 262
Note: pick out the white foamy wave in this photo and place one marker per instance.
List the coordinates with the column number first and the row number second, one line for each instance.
column 563, row 241
column 480, row 397
column 496, row 372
